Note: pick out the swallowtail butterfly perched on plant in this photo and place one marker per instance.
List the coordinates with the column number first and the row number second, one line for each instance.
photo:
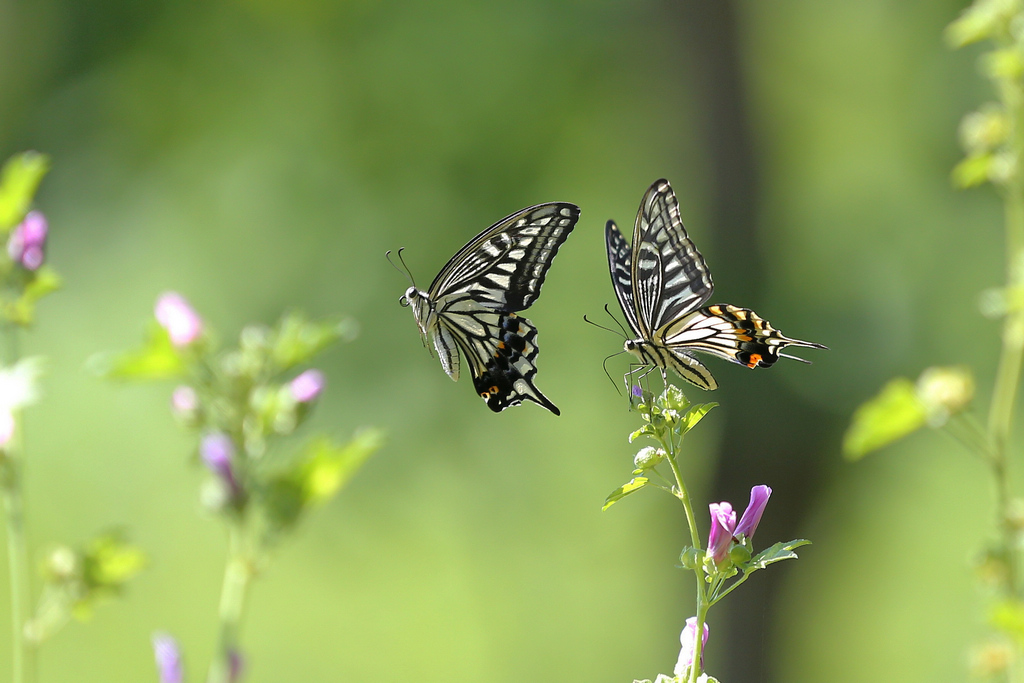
column 662, row 284
column 471, row 305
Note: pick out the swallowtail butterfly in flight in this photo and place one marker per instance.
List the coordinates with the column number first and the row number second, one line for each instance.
column 470, row 308
column 662, row 284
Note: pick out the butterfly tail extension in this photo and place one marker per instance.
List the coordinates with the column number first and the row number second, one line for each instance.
column 505, row 375
column 735, row 334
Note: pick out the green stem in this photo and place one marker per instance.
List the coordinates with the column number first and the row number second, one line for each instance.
column 702, row 599
column 237, row 574
column 1004, row 393
column 17, row 547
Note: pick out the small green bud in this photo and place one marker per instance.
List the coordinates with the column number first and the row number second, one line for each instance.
column 984, row 130
column 739, row 554
column 944, row 391
column 62, row 564
column 648, row 457
column 691, row 558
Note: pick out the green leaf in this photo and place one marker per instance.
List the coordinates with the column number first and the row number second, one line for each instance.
column 157, row 359
column 110, row 561
column 983, row 19
column 894, row 413
column 695, row 415
column 41, row 282
column 646, row 430
column 776, row 553
column 634, row 484
column 1008, row 617
column 296, row 340
column 972, row 170
column 19, row 179
column 329, row 466
column 320, row 473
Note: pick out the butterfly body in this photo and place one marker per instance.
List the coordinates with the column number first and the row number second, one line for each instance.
column 662, row 284
column 471, row 307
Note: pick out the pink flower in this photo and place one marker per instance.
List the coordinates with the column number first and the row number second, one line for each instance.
column 686, row 641
column 723, row 523
column 176, row 316
column 217, row 451
column 759, row 496
column 184, row 401
column 27, row 242
column 307, row 386
column 6, row 427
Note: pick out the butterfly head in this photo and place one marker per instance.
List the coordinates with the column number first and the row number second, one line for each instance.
column 411, row 295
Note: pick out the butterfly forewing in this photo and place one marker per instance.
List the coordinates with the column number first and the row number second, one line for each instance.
column 472, row 303
column 668, row 271
column 505, row 265
column 620, row 262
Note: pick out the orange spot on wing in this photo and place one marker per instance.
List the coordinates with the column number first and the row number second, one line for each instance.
column 755, row 358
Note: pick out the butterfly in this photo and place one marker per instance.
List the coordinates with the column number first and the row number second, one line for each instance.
column 470, row 307
column 662, row 284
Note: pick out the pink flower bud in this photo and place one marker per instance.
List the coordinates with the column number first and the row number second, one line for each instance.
column 27, row 242
column 176, row 316
column 723, row 523
column 184, row 401
column 307, row 386
column 759, row 496
column 686, row 641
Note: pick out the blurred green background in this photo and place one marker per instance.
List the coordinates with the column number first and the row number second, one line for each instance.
column 258, row 155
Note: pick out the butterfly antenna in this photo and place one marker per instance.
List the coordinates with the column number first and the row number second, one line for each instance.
column 607, row 329
column 625, row 335
column 407, row 273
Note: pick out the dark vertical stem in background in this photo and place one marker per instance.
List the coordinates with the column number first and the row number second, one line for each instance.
column 771, row 437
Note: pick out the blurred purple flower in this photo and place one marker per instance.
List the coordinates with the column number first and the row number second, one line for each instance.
column 637, row 391
column 759, row 496
column 27, row 242
column 236, row 665
column 217, row 451
column 180, row 320
column 723, row 523
column 686, row 641
column 307, row 386
column 168, row 658
column 184, row 401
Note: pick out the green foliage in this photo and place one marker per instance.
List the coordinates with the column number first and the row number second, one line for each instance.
column 296, row 339
column 982, row 20
column 75, row 581
column 324, row 468
column 156, row 359
column 19, row 179
column 894, row 413
column 631, row 486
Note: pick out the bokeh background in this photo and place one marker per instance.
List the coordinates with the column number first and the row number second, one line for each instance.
column 261, row 155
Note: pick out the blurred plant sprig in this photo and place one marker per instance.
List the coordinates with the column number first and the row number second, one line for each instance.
column 238, row 403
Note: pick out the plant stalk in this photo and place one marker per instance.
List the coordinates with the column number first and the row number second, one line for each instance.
column 237, row 574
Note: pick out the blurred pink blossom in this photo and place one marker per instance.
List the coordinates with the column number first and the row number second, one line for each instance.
column 180, row 320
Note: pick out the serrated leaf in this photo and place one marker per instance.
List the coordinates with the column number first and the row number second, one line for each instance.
column 894, row 413
column 695, row 415
column 634, row 484
column 19, row 179
column 776, row 553
column 157, row 359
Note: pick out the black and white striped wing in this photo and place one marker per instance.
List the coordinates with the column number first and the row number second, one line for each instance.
column 504, row 266
column 620, row 263
column 669, row 275
column 478, row 292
